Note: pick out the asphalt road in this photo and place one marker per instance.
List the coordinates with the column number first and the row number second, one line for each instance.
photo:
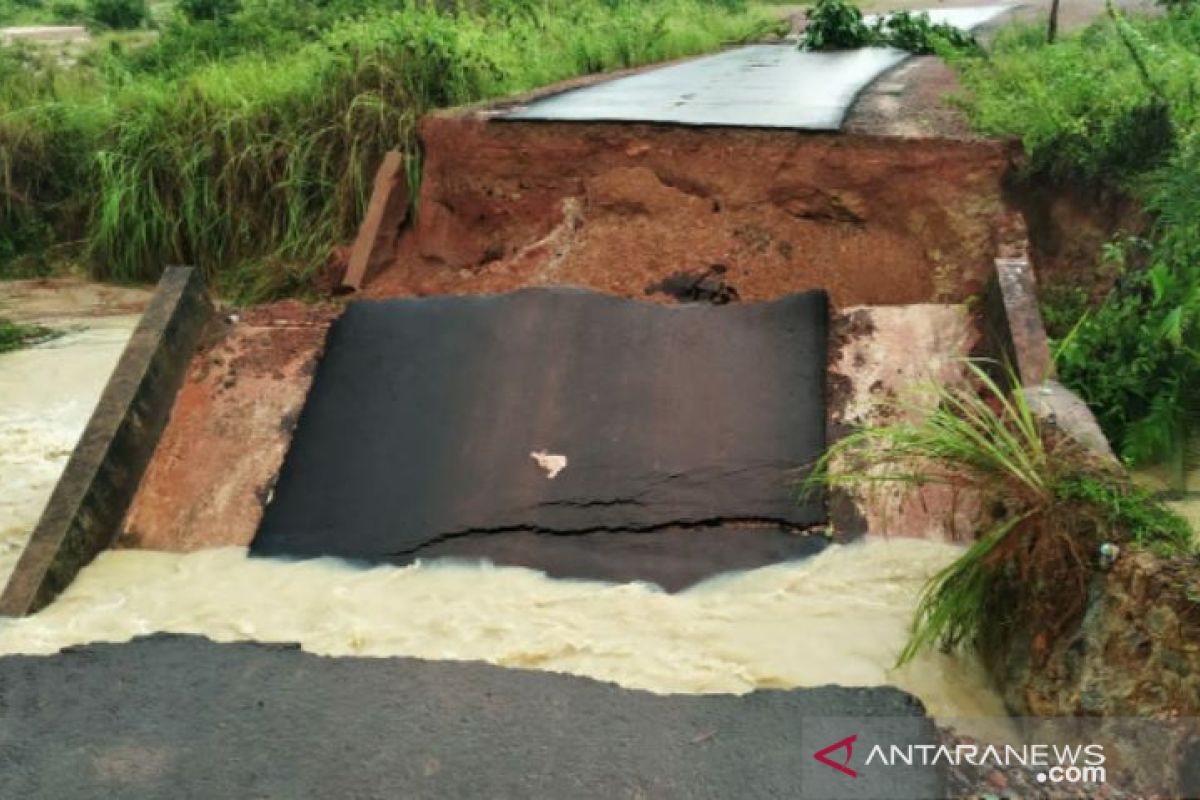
column 180, row 717
column 424, row 415
column 757, row 86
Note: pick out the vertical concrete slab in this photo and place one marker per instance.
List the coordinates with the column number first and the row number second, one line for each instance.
column 1016, row 337
column 87, row 506
column 1014, row 322
column 386, row 212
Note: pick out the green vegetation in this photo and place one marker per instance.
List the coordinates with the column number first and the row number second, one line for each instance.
column 14, row 335
column 1047, row 504
column 839, row 25
column 1116, row 104
column 243, row 138
column 117, row 14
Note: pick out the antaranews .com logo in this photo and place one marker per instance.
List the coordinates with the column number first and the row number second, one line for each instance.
column 1053, row 763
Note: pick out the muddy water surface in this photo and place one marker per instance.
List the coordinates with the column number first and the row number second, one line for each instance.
column 1158, row 478
column 839, row 617
column 47, row 394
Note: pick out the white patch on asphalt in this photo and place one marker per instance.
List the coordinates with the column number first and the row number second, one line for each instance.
column 551, row 462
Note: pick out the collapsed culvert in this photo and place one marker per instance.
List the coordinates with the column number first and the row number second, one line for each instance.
column 707, row 379
column 427, row 417
column 689, row 377
column 643, row 434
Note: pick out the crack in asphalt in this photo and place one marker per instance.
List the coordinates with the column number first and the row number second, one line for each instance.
column 709, row 522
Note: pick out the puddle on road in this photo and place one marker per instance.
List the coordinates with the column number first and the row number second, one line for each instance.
column 47, row 394
column 839, row 617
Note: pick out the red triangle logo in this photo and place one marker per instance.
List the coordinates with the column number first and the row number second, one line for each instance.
column 846, row 744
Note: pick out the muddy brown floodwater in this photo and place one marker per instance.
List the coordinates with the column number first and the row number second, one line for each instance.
column 840, row 617
column 47, row 394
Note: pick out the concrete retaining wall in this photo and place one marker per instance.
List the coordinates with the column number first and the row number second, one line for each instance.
column 85, row 511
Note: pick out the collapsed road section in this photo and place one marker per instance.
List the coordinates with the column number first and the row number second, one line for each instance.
column 552, row 411
column 617, row 436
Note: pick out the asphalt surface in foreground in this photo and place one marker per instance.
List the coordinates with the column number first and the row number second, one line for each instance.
column 182, row 717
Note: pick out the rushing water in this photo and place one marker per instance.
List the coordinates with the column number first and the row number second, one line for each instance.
column 839, row 617
column 47, row 394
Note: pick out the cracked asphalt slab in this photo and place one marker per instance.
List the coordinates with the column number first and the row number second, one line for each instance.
column 437, row 418
column 181, row 717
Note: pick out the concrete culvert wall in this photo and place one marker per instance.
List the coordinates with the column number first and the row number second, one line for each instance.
column 620, row 208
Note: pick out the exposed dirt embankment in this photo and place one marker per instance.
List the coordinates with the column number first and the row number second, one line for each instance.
column 230, row 427
column 1069, row 225
column 620, row 208
column 1132, row 658
column 1135, row 652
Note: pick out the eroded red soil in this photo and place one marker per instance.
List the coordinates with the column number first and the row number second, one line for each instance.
column 619, row 208
column 230, row 427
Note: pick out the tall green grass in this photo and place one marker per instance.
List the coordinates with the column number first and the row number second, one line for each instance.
column 1117, row 104
column 250, row 163
column 1045, row 506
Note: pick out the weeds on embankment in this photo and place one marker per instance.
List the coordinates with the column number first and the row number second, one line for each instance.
column 245, row 145
column 1116, row 104
column 15, row 335
column 1046, row 505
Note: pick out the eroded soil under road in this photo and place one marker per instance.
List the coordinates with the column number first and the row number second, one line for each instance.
column 621, row 208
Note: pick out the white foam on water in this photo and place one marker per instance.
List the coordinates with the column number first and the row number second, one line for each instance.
column 47, row 394
column 840, row 617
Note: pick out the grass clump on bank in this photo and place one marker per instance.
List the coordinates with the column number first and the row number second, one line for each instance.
column 99, row 14
column 15, row 335
column 245, row 143
column 1046, row 506
column 1115, row 105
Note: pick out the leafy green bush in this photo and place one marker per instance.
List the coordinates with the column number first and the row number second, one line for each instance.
column 118, row 14
column 840, row 25
column 905, row 30
column 836, row 25
column 1136, row 361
